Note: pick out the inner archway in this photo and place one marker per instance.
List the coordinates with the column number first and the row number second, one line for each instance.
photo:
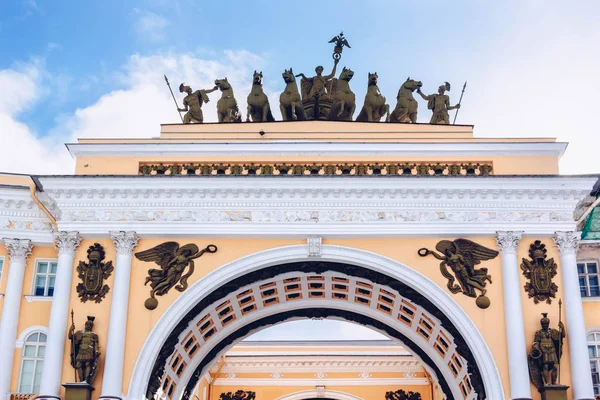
column 281, row 284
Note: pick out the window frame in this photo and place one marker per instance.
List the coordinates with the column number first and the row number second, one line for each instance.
column 35, row 274
column 36, row 359
column 586, row 277
column 596, row 343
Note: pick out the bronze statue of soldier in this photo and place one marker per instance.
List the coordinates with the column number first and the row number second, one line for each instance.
column 546, row 352
column 85, row 353
column 192, row 103
column 440, row 104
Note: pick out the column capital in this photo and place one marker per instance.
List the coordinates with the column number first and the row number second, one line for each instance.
column 125, row 242
column 567, row 242
column 18, row 249
column 66, row 242
column 508, row 241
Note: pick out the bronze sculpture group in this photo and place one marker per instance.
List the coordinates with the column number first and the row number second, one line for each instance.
column 321, row 97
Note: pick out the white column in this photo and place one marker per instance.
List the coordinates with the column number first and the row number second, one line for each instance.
column 112, row 381
column 508, row 242
column 581, row 375
column 18, row 250
column 66, row 243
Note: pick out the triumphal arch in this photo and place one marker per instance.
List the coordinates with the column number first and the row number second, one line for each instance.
column 139, row 276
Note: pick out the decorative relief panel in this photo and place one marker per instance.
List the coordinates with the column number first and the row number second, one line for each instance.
column 539, row 272
column 92, row 275
column 408, row 168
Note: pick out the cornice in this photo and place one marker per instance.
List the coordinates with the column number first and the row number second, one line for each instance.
column 321, row 205
column 358, row 381
column 20, row 217
column 318, row 148
column 302, row 364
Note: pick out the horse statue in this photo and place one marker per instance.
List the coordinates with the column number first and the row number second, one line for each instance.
column 290, row 102
column 227, row 107
column 258, row 102
column 375, row 105
column 406, row 108
column 344, row 101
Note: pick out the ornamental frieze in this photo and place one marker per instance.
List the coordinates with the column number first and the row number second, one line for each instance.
column 539, row 272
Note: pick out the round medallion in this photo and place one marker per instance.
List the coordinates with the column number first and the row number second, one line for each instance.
column 483, row 302
column 151, row 303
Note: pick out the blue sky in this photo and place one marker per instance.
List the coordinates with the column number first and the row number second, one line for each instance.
column 71, row 69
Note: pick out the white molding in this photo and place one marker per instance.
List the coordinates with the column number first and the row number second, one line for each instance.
column 32, row 298
column 314, row 393
column 297, row 206
column 21, row 217
column 282, row 148
column 28, row 331
column 216, row 278
column 590, row 299
column 240, row 382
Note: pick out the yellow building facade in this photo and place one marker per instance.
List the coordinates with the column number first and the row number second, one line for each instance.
column 311, row 219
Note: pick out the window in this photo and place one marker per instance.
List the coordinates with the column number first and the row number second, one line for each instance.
column 32, row 363
column 594, row 352
column 45, row 275
column 589, row 280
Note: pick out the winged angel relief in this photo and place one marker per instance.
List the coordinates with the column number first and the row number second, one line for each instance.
column 461, row 255
column 173, row 261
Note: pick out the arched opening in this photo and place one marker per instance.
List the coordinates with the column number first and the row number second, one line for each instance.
column 261, row 290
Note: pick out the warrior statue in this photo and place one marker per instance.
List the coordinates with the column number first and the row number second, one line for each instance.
column 545, row 353
column 85, row 353
column 440, row 104
column 192, row 103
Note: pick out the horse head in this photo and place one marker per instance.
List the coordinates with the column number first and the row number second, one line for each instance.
column 346, row 74
column 411, row 84
column 373, row 79
column 288, row 76
column 222, row 84
column 257, row 78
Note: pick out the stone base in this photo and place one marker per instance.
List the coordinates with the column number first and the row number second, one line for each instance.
column 78, row 391
column 553, row 392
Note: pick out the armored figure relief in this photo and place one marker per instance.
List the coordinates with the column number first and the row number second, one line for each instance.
column 227, row 107
column 539, row 272
column 440, row 104
column 402, row 395
column 258, row 102
column 93, row 274
column 290, row 102
column 344, row 100
column 545, row 354
column 192, row 103
column 85, row 353
column 375, row 106
column 406, row 108
column 238, row 395
column 461, row 255
column 173, row 261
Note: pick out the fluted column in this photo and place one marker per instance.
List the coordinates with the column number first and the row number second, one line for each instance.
column 508, row 242
column 112, row 381
column 66, row 243
column 18, row 250
column 581, row 375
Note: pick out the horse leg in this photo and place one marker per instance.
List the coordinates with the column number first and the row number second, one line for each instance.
column 351, row 111
column 266, row 110
column 387, row 111
column 283, row 112
column 369, row 110
column 248, row 114
column 220, row 116
column 342, row 105
column 294, row 117
column 413, row 117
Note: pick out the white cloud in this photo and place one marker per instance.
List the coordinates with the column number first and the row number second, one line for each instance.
column 150, row 26
column 20, row 150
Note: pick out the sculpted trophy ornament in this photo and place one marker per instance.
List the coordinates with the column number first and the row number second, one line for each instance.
column 546, row 351
column 440, row 104
column 402, row 395
column 227, row 107
column 539, row 272
column 92, row 275
column 461, row 255
column 375, row 106
column 85, row 353
column 238, row 395
column 290, row 102
column 406, row 108
column 192, row 103
column 258, row 102
column 173, row 261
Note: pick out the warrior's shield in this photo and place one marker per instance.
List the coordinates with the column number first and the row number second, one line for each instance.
column 93, row 279
column 541, row 280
